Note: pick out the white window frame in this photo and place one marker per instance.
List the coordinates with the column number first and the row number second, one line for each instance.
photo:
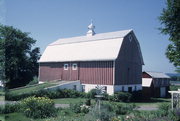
column 66, row 66
column 74, row 68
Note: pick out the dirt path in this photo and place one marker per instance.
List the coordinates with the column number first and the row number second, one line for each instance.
column 148, row 107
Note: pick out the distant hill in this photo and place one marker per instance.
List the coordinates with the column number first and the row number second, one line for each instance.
column 173, row 74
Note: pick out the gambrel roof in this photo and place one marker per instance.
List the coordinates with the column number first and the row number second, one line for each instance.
column 99, row 47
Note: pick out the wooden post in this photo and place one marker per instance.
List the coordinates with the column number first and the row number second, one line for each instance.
column 172, row 100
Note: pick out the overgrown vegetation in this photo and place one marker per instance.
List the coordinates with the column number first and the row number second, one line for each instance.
column 38, row 107
column 174, row 87
column 19, row 64
column 66, row 93
column 110, row 111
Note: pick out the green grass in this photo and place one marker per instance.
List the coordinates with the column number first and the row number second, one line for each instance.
column 1, row 98
column 64, row 115
column 69, row 100
column 153, row 102
column 2, row 118
column 31, row 88
column 2, row 93
column 68, row 115
column 174, row 87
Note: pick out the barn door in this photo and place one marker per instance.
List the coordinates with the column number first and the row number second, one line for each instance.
column 70, row 71
column 74, row 71
column 66, row 71
column 162, row 91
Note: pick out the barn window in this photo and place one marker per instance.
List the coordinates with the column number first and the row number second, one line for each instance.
column 74, row 66
column 65, row 66
column 130, row 38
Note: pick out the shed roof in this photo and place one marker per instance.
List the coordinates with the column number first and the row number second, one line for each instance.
column 157, row 74
column 99, row 47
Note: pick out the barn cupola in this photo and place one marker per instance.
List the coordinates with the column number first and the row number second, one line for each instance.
column 91, row 28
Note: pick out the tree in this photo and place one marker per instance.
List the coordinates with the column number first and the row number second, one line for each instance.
column 170, row 20
column 20, row 59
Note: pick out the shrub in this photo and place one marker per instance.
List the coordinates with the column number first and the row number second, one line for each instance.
column 88, row 102
column 38, row 107
column 34, row 81
column 10, row 108
column 164, row 108
column 76, row 108
column 137, row 96
column 2, row 107
column 105, row 96
column 121, row 109
column 79, row 108
column 63, row 93
column 91, row 94
column 122, row 96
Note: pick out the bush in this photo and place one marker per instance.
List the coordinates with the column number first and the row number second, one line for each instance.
column 105, row 96
column 91, row 94
column 52, row 94
column 88, row 102
column 38, row 107
column 122, row 109
column 34, row 81
column 10, row 108
column 165, row 108
column 79, row 108
column 121, row 97
column 137, row 96
column 76, row 108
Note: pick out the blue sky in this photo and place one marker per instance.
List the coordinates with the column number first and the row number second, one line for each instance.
column 49, row 20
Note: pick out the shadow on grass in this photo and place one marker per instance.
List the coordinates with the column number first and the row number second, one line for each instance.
column 152, row 100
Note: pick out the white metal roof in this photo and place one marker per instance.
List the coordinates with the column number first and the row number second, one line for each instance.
column 146, row 82
column 105, row 46
column 157, row 74
column 83, row 51
column 101, row 36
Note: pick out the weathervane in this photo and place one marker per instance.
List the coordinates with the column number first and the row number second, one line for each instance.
column 100, row 90
column 91, row 28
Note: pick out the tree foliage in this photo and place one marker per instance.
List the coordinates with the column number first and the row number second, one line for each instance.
column 170, row 20
column 20, row 59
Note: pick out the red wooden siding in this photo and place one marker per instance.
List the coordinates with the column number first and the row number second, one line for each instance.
column 50, row 71
column 128, row 66
column 145, row 75
column 96, row 72
column 99, row 72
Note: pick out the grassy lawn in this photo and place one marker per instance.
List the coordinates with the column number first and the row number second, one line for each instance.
column 1, row 96
column 69, row 100
column 32, row 88
column 152, row 102
column 2, row 118
column 62, row 116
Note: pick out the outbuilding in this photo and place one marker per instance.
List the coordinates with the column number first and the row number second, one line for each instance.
column 155, row 84
column 112, row 60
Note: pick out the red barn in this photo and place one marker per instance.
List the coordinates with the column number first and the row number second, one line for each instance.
column 113, row 60
column 155, row 84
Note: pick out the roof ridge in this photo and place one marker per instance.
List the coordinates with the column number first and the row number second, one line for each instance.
column 100, row 36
